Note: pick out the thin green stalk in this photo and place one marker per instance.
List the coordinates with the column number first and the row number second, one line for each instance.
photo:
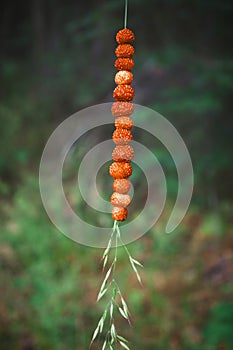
column 126, row 13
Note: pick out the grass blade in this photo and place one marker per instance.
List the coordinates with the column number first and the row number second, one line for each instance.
column 96, row 332
column 135, row 270
column 124, row 345
column 137, row 262
column 122, row 312
column 104, row 345
column 122, row 338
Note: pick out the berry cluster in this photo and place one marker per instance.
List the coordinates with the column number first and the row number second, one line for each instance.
column 123, row 153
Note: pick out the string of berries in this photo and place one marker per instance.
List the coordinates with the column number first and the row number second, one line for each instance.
column 120, row 170
column 122, row 109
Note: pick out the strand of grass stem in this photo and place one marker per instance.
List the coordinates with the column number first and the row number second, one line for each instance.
column 126, row 13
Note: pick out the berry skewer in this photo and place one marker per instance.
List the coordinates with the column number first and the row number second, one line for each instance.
column 122, row 109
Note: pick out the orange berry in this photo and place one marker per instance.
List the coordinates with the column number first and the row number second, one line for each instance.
column 121, row 185
column 122, row 63
column 122, row 136
column 125, row 50
column 123, row 77
column 123, row 93
column 120, row 170
column 119, row 214
column 124, row 122
column 120, row 200
column 123, row 153
column 122, row 108
column 125, row 36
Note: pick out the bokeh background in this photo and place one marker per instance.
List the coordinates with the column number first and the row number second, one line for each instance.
column 57, row 58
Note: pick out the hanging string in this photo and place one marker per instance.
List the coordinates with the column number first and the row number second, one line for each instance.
column 126, row 13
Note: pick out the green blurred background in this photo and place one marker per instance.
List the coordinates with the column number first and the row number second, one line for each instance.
column 57, row 58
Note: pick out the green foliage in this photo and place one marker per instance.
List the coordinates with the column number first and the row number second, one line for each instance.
column 218, row 329
column 46, row 285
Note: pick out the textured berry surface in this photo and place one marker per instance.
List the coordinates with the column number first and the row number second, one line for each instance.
column 124, row 122
column 123, row 77
column 120, row 170
column 125, row 36
column 124, row 64
column 119, row 214
column 123, row 93
column 125, row 50
column 120, row 200
column 122, row 136
column 121, row 185
column 122, row 108
column 123, row 153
